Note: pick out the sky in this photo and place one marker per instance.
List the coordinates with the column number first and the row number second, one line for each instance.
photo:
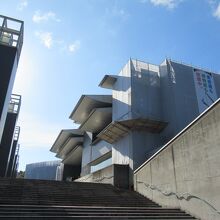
column 70, row 45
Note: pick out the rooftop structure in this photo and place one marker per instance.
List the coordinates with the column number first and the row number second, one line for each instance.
column 11, row 41
column 11, row 33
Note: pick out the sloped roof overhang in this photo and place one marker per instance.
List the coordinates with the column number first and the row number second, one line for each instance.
column 74, row 157
column 86, row 104
column 108, row 81
column 98, row 119
column 118, row 129
column 68, row 146
column 63, row 138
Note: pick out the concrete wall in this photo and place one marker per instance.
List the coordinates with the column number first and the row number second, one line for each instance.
column 101, row 176
column 115, row 174
column 186, row 173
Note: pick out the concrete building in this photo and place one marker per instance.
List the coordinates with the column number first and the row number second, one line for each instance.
column 10, row 137
column 14, row 158
column 47, row 170
column 11, row 40
column 149, row 105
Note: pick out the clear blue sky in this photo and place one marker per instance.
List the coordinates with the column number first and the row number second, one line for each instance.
column 69, row 45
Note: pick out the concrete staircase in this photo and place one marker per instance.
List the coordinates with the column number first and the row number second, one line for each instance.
column 40, row 199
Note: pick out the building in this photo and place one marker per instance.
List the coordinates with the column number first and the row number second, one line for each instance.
column 14, row 155
column 47, row 170
column 10, row 137
column 149, row 105
column 11, row 41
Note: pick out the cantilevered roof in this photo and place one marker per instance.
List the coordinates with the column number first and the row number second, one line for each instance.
column 108, row 81
column 118, row 129
column 64, row 137
column 98, row 119
column 86, row 104
column 74, row 157
column 68, row 146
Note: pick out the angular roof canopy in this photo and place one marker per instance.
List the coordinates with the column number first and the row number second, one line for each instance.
column 65, row 137
column 86, row 104
column 74, row 157
column 98, row 119
column 108, row 81
column 118, row 129
column 68, row 146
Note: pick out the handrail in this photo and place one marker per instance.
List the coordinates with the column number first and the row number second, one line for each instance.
column 12, row 36
column 14, row 104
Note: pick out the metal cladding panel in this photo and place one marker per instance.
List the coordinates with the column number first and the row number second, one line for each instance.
column 145, row 91
column 42, row 170
column 97, row 120
column 122, row 151
column 86, row 104
column 180, row 104
column 87, row 149
column 101, row 148
column 121, row 94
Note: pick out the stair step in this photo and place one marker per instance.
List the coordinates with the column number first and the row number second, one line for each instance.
column 40, row 199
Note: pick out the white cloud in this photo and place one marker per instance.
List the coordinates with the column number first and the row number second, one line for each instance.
column 22, row 4
column 217, row 12
column 74, row 46
column 170, row 4
column 40, row 17
column 46, row 38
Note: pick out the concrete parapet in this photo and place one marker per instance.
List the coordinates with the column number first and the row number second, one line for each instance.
column 186, row 173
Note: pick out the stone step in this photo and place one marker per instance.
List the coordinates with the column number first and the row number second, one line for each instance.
column 40, row 199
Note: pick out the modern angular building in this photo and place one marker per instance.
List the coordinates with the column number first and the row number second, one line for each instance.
column 149, row 105
column 11, row 41
column 46, row 170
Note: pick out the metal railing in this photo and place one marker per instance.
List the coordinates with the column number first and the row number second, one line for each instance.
column 17, row 157
column 17, row 133
column 15, row 104
column 11, row 33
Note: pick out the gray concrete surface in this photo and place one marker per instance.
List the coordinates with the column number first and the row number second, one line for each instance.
column 186, row 173
column 115, row 174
